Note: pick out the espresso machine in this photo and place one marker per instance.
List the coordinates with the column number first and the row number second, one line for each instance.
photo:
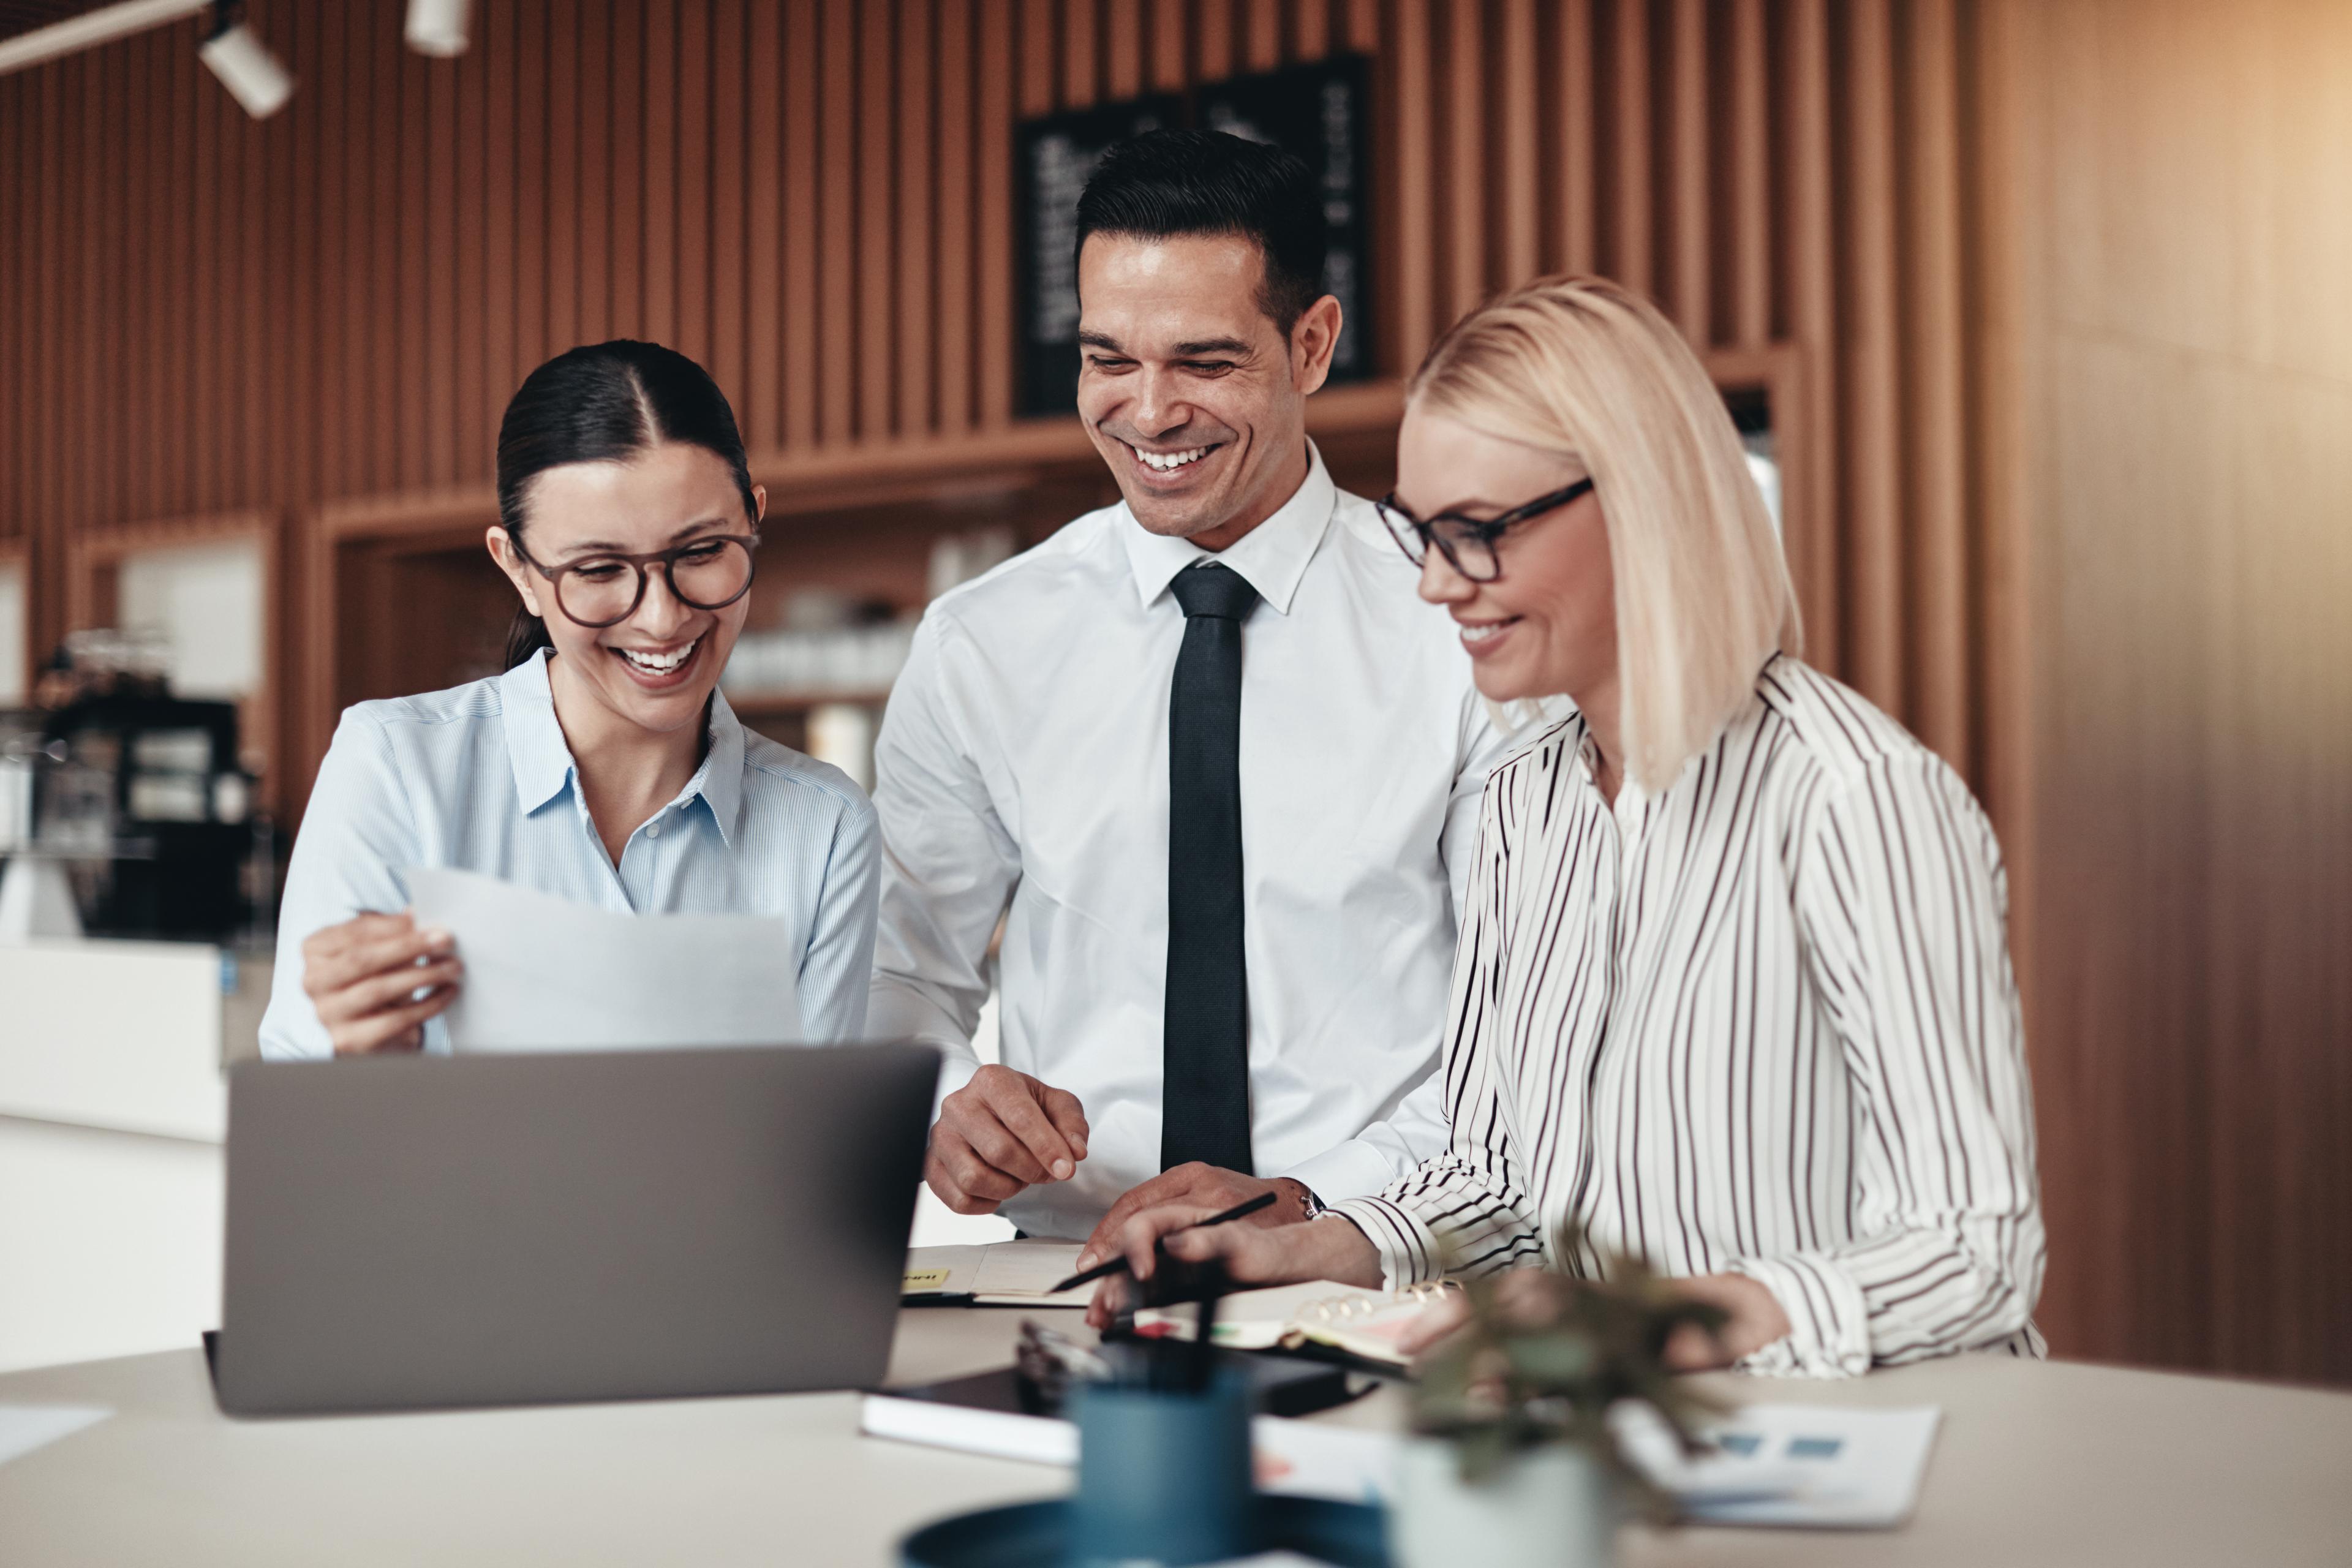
column 133, row 802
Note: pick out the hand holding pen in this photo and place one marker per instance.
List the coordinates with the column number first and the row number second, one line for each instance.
column 1122, row 1263
column 1326, row 1248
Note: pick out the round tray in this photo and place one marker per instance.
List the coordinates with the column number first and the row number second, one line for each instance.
column 1035, row 1535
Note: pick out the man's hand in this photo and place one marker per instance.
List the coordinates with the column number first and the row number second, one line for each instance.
column 1210, row 1188
column 1001, row 1133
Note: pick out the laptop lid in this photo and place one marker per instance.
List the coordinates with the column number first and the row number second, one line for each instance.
column 411, row 1231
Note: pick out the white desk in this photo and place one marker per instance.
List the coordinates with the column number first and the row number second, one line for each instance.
column 2055, row 1464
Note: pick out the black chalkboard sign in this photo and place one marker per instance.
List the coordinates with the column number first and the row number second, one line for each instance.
column 1321, row 112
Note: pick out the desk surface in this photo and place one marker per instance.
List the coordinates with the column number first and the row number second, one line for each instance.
column 2037, row 1463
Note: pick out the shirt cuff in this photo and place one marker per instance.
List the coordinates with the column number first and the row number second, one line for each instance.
column 1353, row 1170
column 1408, row 1248
column 956, row 1069
column 1828, row 1321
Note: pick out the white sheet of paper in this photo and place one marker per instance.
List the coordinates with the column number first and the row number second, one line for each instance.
column 1309, row 1459
column 1816, row 1466
column 24, row 1427
column 546, row 973
column 1820, row 1465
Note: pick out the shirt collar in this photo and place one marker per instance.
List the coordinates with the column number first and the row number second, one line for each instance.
column 1272, row 557
column 543, row 764
column 535, row 744
column 720, row 780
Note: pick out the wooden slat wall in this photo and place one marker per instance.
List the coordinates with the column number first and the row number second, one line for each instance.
column 202, row 314
column 2177, row 413
column 814, row 199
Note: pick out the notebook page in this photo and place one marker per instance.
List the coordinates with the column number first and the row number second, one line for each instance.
column 1023, row 1273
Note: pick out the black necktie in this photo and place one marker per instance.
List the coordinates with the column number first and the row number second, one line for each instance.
column 1205, row 1109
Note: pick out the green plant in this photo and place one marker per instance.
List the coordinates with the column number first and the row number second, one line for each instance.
column 1542, row 1355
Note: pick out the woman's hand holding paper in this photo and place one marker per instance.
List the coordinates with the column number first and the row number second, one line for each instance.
column 375, row 979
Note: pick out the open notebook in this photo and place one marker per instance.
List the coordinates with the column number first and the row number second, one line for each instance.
column 1363, row 1323
column 1000, row 1274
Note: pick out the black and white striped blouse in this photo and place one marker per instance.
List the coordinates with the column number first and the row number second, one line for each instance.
column 1762, row 1022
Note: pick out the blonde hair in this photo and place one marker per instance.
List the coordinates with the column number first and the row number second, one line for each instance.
column 1585, row 369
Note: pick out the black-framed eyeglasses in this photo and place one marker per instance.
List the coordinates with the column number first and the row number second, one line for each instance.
column 1466, row 542
column 599, row 591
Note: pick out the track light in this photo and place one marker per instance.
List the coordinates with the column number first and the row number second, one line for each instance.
column 244, row 64
column 438, row 27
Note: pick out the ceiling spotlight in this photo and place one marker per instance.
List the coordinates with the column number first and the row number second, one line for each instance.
column 438, row 27
column 244, row 64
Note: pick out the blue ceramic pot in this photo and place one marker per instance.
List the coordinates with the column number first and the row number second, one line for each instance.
column 1163, row 1477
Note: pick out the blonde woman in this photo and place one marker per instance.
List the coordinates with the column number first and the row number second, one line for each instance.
column 1732, row 992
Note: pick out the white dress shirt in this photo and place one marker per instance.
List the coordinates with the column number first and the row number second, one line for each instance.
column 1761, row 1022
column 1022, row 773
column 480, row 778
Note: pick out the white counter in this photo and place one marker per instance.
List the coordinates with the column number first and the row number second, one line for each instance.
column 112, row 1112
column 126, row 1036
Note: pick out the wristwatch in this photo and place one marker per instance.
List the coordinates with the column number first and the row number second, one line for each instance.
column 1310, row 1201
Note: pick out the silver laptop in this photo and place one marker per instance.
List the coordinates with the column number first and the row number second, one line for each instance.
column 509, row 1229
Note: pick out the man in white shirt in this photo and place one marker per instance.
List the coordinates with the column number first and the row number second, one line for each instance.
column 1204, row 752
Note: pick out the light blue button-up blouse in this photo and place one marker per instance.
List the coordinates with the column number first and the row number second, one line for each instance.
column 480, row 778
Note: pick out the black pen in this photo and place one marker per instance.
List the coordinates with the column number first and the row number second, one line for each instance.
column 1118, row 1265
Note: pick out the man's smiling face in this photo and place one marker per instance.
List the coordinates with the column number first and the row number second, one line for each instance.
column 1193, row 397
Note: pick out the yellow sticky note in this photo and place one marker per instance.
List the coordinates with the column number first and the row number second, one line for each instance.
column 919, row 1280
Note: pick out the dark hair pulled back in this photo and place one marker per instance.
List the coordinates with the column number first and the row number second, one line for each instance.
column 606, row 403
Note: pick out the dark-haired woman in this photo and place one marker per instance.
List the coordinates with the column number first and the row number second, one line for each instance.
column 604, row 766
